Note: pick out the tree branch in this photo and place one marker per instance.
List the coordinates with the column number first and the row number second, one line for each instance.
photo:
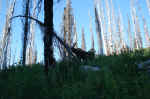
column 41, row 24
column 30, row 17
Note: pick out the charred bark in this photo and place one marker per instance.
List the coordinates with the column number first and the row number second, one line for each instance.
column 48, row 35
column 25, row 33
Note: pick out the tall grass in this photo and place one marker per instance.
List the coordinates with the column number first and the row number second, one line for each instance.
column 118, row 78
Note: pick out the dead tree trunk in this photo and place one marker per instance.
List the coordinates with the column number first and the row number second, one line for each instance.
column 48, row 35
column 26, row 29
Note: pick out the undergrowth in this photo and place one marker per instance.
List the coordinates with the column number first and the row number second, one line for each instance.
column 118, row 78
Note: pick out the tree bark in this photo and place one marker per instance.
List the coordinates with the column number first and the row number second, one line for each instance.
column 48, row 35
column 26, row 30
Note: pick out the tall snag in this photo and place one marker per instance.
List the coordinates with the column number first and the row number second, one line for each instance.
column 26, row 30
column 68, row 26
column 83, row 45
column 48, row 35
column 31, row 51
column 6, row 36
column 99, row 34
column 92, row 35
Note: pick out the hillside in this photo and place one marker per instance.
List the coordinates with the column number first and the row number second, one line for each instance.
column 118, row 78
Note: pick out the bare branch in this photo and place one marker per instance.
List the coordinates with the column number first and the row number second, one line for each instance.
column 41, row 24
column 30, row 17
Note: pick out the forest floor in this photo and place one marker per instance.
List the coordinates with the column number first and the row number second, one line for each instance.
column 119, row 77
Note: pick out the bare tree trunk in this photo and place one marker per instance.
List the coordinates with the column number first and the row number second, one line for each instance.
column 64, row 31
column 134, row 20
column 139, row 38
column 83, row 41
column 75, row 34
column 26, row 30
column 68, row 22
column 31, row 49
column 99, row 34
column 92, row 35
column 103, row 26
column 48, row 35
column 130, row 34
column 113, row 23
column 146, row 32
column 5, row 40
column 120, row 31
column 110, row 42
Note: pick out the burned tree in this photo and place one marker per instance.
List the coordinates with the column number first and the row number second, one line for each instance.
column 99, row 33
column 31, row 50
column 26, row 30
column 6, row 37
column 48, row 34
column 83, row 40
column 68, row 27
column 92, row 35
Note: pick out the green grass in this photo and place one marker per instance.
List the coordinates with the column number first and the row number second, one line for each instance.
column 119, row 78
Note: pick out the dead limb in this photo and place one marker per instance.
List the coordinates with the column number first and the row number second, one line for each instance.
column 63, row 43
column 41, row 24
column 30, row 17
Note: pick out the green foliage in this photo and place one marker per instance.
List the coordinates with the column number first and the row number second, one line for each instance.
column 118, row 78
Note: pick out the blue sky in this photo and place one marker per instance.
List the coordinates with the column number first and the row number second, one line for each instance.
column 80, row 11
